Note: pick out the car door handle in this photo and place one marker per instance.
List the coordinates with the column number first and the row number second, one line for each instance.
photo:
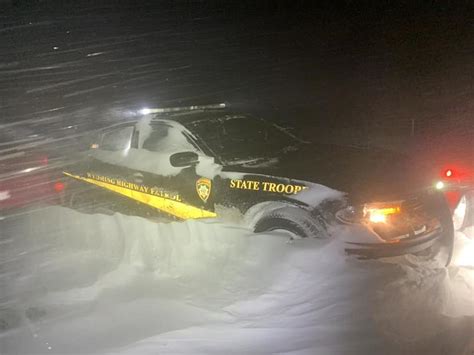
column 137, row 177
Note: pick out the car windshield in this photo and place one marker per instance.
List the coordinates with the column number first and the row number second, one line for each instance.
column 236, row 139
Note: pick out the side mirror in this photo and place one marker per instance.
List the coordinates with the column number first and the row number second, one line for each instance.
column 184, row 159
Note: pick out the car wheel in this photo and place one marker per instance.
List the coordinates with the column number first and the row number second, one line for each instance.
column 462, row 214
column 294, row 220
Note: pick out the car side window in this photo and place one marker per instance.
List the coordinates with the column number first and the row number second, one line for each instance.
column 167, row 139
column 118, row 139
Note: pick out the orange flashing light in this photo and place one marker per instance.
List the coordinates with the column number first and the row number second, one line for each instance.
column 389, row 210
column 379, row 215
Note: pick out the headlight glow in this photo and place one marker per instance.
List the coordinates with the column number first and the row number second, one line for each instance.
column 439, row 185
column 377, row 217
column 379, row 214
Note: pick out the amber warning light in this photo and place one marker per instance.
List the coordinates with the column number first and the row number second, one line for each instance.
column 380, row 214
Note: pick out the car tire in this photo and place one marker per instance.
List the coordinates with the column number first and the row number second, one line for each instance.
column 294, row 220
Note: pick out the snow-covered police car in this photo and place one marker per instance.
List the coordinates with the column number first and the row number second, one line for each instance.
column 194, row 162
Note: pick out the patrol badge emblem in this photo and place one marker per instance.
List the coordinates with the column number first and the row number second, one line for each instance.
column 203, row 188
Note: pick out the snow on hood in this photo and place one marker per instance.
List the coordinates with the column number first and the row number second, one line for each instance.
column 314, row 194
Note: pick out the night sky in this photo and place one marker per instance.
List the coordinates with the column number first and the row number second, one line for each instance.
column 396, row 74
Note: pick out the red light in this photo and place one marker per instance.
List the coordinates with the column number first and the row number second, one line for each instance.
column 59, row 186
column 448, row 173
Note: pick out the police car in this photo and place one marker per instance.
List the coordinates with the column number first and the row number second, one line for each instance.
column 193, row 162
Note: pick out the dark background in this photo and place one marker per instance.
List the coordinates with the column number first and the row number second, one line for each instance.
column 392, row 74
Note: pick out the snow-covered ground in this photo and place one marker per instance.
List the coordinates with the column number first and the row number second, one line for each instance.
column 76, row 283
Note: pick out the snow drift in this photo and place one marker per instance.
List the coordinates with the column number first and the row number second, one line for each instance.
column 80, row 283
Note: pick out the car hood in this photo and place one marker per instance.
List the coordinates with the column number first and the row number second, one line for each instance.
column 365, row 174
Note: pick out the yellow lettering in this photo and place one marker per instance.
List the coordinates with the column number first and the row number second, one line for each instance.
column 245, row 185
column 176, row 207
column 266, row 186
column 298, row 188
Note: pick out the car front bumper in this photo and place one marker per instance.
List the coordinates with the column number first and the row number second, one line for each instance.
column 389, row 249
column 437, row 227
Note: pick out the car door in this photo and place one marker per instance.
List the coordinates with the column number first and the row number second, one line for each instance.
column 132, row 165
column 176, row 188
column 108, row 166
